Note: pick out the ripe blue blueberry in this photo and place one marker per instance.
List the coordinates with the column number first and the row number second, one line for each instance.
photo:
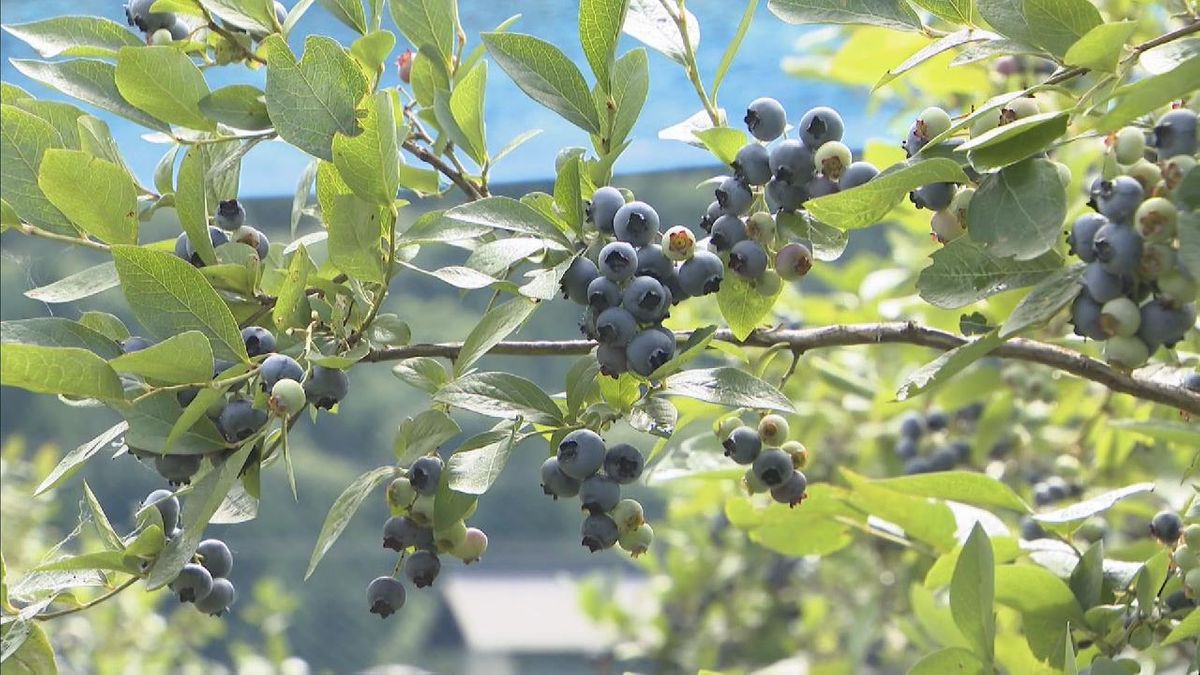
column 401, row 532
column 962, row 450
column 615, row 326
column 1175, row 133
column 727, row 231
column 765, row 119
column 648, row 350
column 1118, row 199
column 425, row 474
column 1083, row 233
column 652, row 261
column 579, row 274
column 917, row 465
column 773, row 466
column 1030, row 529
column 603, row 293
column 618, row 261
column 134, row 343
column 793, row 261
column 581, row 454
column 702, row 274
column 819, row 186
column 636, row 223
column 784, row 196
column 791, row 491
column 325, row 387
column 857, row 174
column 907, row 448
column 646, row 299
column 177, row 469
column 937, row 420
column 623, row 463
column 1165, row 324
column 675, row 287
column 422, row 568
column 753, row 164
column 1166, row 526
column 219, row 599
column 179, row 30
column 935, row 196
column 603, row 208
column 912, row 426
column 734, row 196
column 1118, row 248
column 710, row 216
column 743, row 445
column 1085, row 317
column 385, row 596
column 943, row 459
column 184, row 250
column 555, row 483
column 258, row 340
column 168, row 508
column 792, row 162
column 1101, row 284
column 1191, row 382
column 748, row 259
column 278, row 367
column 599, row 493
column 239, row 420
column 137, row 13
column 599, row 532
column 193, row 584
column 230, row 215
column 612, row 360
column 215, row 557
column 819, row 126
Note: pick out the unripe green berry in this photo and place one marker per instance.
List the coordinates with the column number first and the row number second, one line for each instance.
column 637, row 541
column 1067, row 466
column 628, row 515
column 1175, row 168
column 287, row 398
column 1128, row 144
column 798, row 452
column 1019, row 108
column 421, row 510
column 1191, row 537
column 450, row 537
column 769, row 284
column 473, row 546
column 1142, row 637
column 160, row 37
column 984, row 123
column 832, row 158
column 935, row 122
column 1157, row 219
column 1146, row 173
column 400, row 496
column 1126, row 352
column 1103, row 618
column 1186, row 558
column 1120, row 316
column 1156, row 260
column 1192, row 580
column 753, row 484
column 725, row 426
column 773, row 430
column 1064, row 173
column 761, row 228
column 946, row 226
column 1177, row 286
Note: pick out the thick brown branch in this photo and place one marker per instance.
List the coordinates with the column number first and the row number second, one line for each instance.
column 805, row 339
column 456, row 176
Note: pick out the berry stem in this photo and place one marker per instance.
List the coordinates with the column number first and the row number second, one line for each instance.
column 35, row 231
column 90, row 603
column 679, row 15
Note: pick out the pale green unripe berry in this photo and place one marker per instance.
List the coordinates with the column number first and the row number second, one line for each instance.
column 638, row 541
column 628, row 515
column 421, row 510
column 1126, row 352
column 769, row 283
column 1192, row 581
column 1067, row 466
column 287, row 398
column 473, row 546
column 1128, row 144
column 761, row 228
column 752, row 483
column 1177, row 286
column 160, row 37
column 400, row 496
column 1120, row 316
column 1157, row 220
column 773, row 430
column 1019, row 108
column 1191, row 537
column 984, row 123
column 1146, row 173
column 936, row 121
column 724, row 426
column 946, row 226
column 1175, row 168
column 798, row 452
column 1186, row 558
column 450, row 537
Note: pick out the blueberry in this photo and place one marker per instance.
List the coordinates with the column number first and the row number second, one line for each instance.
column 932, row 122
column 422, row 568
column 599, row 532
column 793, row 261
column 791, row 491
column 646, row 299
column 748, row 259
column 935, row 196
column 652, row 261
column 857, row 174
column 702, row 274
column 215, row 557
column 168, row 508
column 1057, row 488
column 278, row 367
column 937, row 420
column 400, row 495
column 710, row 216
column 734, row 196
column 258, row 340
column 753, row 164
column 1100, row 284
column 183, row 245
column 675, row 288
column 765, row 119
column 281, row 12
column 1191, row 382
column 727, row 231
column 792, row 162
column 1157, row 260
column 1019, row 108
column 581, row 454
column 425, row 474
column 401, row 532
column 240, row 419
column 623, row 463
column 636, row 223
column 287, row 398
column 473, row 546
column 603, row 293
column 230, row 215
column 555, row 483
column 819, row 186
column 219, row 599
column 575, row 281
column 618, row 261
column 912, row 426
column 1177, row 287
column 1166, row 526
column 612, row 360
column 604, row 206
column 678, row 243
column 946, row 226
column 798, row 453
column 943, row 459
column 325, row 387
column 907, row 448
column 599, row 493
column 1128, row 144
column 1030, row 529
column 385, row 596
column 193, row 584
column 784, row 196
column 649, row 350
column 1126, row 352
column 1175, row 169
column 1083, row 233
column 1177, row 602
column 177, row 469
column 1163, row 324
column 179, row 30
column 134, row 343
column 833, row 158
column 773, row 429
column 637, row 541
column 1118, row 248
column 743, row 445
column 615, row 326
column 819, row 126
column 1175, row 133
column 1120, row 316
column 773, row 466
column 137, row 13
column 917, row 465
column 1085, row 317
column 761, row 228
column 1157, row 220
column 1118, row 199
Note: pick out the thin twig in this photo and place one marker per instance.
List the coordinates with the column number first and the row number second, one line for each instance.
column 90, row 603
column 35, row 231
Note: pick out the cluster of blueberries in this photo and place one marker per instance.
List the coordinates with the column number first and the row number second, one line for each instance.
column 411, row 533
column 230, row 225
column 284, row 390
column 1136, row 295
column 1168, row 527
column 204, row 582
column 585, row 467
column 162, row 28
column 924, row 444
column 775, row 463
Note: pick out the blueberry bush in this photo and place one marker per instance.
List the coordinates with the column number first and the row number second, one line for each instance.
column 1017, row 501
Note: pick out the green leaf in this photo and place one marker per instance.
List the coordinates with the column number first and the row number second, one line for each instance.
column 421, row 435
column 1018, row 211
column 943, row 44
column 289, row 300
column 691, row 350
column 343, row 510
column 620, row 393
column 730, row 387
column 1016, row 141
column 69, row 371
column 1150, row 93
column 206, row 496
column 723, row 142
column 963, row 273
column 69, row 465
column 1188, row 627
column 427, row 22
column 34, row 655
column 743, row 306
column 1057, row 24
column 57, row 332
column 429, row 76
column 497, row 324
column 735, row 43
column 89, row 81
column 1087, row 579
column 960, row 486
column 1046, row 605
column 568, row 193
column 450, row 506
column 477, row 464
column 373, row 49
column 74, row 36
column 24, row 140
column 653, row 23
column 168, row 296
column 501, row 395
column 96, row 195
column 191, row 202
column 466, row 106
column 349, row 12
column 96, row 139
column 893, row 14
column 241, row 106
column 256, row 16
column 472, row 219
column 866, row 204
column 369, row 162
column 940, row 370
column 1090, row 507
column 599, row 28
column 921, row 519
column 1100, row 48
column 1007, row 17
column 950, row 660
column 972, row 592
column 1045, row 300
column 313, row 100
column 179, row 359
column 631, row 86
column 114, row 561
column 64, row 117
column 955, row 11
column 423, row 372
column 106, row 324
column 820, row 518
column 198, row 409
column 1171, row 431
column 153, row 421
column 546, row 75
column 355, row 229
column 165, row 83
